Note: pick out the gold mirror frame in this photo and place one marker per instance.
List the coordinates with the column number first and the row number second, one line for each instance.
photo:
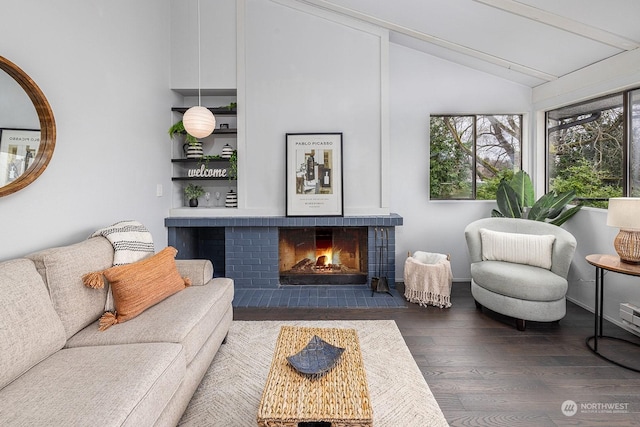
column 47, row 128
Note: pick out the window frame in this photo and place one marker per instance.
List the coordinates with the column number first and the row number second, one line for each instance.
column 627, row 115
column 474, row 154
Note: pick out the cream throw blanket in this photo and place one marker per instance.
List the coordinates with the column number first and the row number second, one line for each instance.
column 130, row 239
column 427, row 279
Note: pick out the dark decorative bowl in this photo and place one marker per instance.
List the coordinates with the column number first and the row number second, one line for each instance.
column 317, row 357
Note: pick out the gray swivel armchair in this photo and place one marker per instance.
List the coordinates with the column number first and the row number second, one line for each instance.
column 519, row 268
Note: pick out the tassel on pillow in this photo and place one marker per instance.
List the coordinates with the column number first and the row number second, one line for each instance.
column 140, row 285
column 107, row 320
column 93, row 280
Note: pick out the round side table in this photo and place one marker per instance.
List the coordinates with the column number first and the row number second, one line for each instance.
column 604, row 263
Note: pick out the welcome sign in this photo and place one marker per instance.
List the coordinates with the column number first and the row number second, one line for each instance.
column 205, row 172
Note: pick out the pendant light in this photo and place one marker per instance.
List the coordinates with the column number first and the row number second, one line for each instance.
column 199, row 121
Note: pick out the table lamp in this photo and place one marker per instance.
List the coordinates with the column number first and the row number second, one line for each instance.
column 624, row 213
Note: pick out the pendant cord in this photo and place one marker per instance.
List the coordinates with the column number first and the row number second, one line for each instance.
column 199, row 98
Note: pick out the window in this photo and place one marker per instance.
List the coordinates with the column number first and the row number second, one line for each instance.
column 594, row 148
column 469, row 154
column 634, row 144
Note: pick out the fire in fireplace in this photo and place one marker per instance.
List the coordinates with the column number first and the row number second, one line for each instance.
column 323, row 255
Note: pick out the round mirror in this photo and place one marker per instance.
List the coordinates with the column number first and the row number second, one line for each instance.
column 27, row 129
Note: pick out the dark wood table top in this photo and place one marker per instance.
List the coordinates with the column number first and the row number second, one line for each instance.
column 613, row 263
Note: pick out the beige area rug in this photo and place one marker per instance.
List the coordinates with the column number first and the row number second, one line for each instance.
column 230, row 392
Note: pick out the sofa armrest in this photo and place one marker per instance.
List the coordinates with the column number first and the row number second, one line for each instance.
column 200, row 271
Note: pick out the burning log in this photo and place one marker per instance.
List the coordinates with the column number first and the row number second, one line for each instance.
column 303, row 264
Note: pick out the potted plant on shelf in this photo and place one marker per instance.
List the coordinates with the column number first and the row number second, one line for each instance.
column 192, row 148
column 233, row 165
column 231, row 200
column 192, row 192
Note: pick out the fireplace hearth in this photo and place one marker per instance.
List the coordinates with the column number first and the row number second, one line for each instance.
column 246, row 249
column 323, row 255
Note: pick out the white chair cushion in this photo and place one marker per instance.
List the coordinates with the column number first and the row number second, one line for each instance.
column 529, row 249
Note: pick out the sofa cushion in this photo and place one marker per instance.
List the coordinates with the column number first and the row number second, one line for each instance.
column 62, row 270
column 30, row 329
column 142, row 284
column 127, row 385
column 520, row 248
column 185, row 318
column 519, row 281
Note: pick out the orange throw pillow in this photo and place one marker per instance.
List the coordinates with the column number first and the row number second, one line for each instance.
column 142, row 284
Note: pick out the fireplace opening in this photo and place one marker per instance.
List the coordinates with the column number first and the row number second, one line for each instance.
column 323, row 255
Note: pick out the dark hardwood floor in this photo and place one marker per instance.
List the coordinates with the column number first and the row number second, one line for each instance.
column 484, row 372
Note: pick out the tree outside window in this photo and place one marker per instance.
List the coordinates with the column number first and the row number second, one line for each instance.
column 634, row 144
column 469, row 154
column 587, row 146
column 594, row 148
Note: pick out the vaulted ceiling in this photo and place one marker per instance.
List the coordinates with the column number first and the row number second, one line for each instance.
column 527, row 41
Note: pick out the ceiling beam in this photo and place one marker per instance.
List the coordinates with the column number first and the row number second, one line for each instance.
column 562, row 23
column 326, row 5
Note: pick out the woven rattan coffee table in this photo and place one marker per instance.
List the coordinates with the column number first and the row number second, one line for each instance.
column 339, row 397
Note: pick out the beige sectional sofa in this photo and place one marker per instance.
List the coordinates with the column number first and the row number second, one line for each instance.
column 58, row 369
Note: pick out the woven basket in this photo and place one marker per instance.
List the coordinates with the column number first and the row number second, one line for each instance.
column 340, row 396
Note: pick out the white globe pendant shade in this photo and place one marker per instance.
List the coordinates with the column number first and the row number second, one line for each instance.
column 199, row 122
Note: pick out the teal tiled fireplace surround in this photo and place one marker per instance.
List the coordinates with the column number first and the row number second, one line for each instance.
column 246, row 250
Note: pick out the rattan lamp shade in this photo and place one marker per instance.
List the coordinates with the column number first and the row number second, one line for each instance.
column 624, row 213
column 199, row 122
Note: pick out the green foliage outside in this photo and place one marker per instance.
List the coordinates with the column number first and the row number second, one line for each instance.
column 586, row 151
column 585, row 154
column 488, row 189
column 491, row 141
column 450, row 167
column 586, row 182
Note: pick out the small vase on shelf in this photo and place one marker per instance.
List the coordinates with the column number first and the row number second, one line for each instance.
column 227, row 151
column 232, row 200
column 193, row 150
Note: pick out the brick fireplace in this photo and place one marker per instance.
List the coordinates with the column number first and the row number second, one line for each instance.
column 322, row 255
column 247, row 250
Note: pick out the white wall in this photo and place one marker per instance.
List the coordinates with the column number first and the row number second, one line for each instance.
column 421, row 85
column 217, row 44
column 311, row 73
column 104, row 67
column 589, row 225
column 308, row 73
column 594, row 237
